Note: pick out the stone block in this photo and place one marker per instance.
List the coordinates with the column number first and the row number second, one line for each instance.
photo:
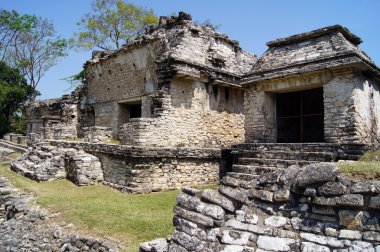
column 215, row 197
column 350, row 234
column 276, row 243
column 350, row 200
column 193, row 216
column 276, row 221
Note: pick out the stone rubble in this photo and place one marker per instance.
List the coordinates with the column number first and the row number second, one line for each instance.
column 25, row 226
column 323, row 211
column 45, row 162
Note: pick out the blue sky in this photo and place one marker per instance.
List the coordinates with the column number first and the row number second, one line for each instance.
column 253, row 23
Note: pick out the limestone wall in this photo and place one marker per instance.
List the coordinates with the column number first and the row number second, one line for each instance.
column 367, row 104
column 195, row 114
column 129, row 76
column 314, row 208
column 143, row 169
column 97, row 134
column 352, row 104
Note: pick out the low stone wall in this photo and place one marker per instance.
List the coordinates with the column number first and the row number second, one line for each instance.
column 97, row 134
column 13, row 146
column 147, row 169
column 59, row 132
column 14, row 137
column 314, row 208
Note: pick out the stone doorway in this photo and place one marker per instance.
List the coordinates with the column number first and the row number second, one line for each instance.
column 300, row 116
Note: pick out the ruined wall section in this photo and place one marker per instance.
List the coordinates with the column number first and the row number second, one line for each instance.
column 198, row 115
column 53, row 118
column 126, row 77
column 315, row 208
column 148, row 169
column 206, row 48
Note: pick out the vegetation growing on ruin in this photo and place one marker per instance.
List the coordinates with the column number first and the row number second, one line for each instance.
column 102, row 211
column 368, row 166
column 111, row 24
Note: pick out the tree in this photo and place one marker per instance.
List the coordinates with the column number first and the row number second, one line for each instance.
column 35, row 51
column 112, row 24
column 13, row 94
column 11, row 25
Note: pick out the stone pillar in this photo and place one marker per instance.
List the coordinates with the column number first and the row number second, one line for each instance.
column 260, row 116
column 339, row 109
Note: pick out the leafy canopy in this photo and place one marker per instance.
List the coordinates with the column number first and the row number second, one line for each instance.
column 12, row 25
column 112, row 24
column 30, row 44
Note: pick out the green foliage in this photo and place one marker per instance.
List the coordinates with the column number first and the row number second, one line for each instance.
column 112, row 24
column 13, row 93
column 30, row 44
column 18, row 124
column 75, row 79
column 11, row 25
column 208, row 23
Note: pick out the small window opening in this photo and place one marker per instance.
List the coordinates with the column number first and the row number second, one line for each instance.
column 194, row 33
column 135, row 110
column 128, row 111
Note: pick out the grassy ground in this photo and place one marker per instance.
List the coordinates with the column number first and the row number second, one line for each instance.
column 102, row 211
column 366, row 168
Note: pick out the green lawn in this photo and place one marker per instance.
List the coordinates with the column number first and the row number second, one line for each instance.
column 102, row 211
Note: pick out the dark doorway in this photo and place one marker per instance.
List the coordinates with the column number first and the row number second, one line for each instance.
column 300, row 116
column 128, row 111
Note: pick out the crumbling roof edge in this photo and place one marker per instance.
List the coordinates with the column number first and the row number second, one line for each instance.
column 266, row 75
column 316, row 33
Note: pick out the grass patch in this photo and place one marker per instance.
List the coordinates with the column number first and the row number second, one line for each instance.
column 102, row 211
column 370, row 156
column 366, row 168
column 112, row 142
column 361, row 169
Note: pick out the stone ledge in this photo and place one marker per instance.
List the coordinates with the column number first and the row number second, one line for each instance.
column 134, row 151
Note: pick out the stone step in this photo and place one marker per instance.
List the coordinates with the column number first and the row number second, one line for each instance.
column 279, row 163
column 252, row 169
column 290, row 155
column 304, row 147
column 242, row 176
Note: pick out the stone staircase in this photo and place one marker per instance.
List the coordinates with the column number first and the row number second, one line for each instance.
column 253, row 159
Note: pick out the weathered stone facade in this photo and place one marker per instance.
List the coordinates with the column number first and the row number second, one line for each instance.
column 315, row 208
column 181, row 76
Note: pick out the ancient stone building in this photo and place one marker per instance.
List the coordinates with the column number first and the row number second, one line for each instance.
column 313, row 87
column 176, row 86
column 182, row 84
column 179, row 94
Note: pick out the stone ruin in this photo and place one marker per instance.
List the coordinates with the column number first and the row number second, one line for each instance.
column 311, row 209
column 184, row 105
column 185, row 88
